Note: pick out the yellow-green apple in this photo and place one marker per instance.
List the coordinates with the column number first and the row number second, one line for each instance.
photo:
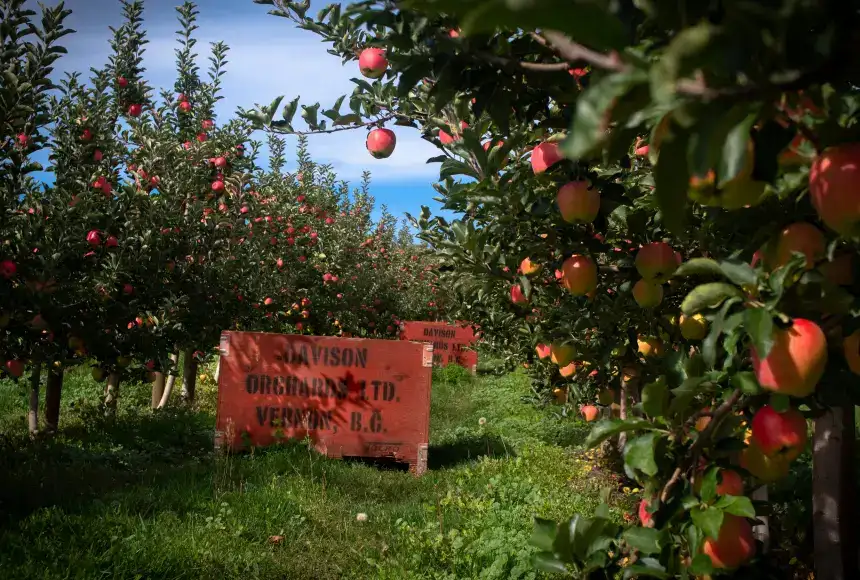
column 647, row 294
column 649, row 346
column 578, row 203
column 562, row 353
column 796, row 360
column 693, row 327
column 767, row 469
column 605, row 397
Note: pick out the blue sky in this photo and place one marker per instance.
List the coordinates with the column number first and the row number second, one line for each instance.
column 268, row 57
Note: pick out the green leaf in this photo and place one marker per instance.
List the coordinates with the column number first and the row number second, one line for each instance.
column 709, row 520
column 645, row 567
column 708, row 489
column 759, row 326
column 698, row 267
column 707, row 296
column 738, row 272
column 543, row 534
column 590, row 23
column 639, row 453
column 681, row 57
column 290, row 110
column 607, row 428
column 672, row 178
column 701, row 565
column 737, row 505
column 737, row 156
column 655, row 397
column 746, row 382
column 549, row 562
column 646, row 540
column 780, row 403
column 594, row 113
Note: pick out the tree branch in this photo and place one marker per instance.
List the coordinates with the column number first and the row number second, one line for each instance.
column 697, row 446
column 572, row 51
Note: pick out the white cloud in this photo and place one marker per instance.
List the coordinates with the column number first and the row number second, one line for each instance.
column 268, row 57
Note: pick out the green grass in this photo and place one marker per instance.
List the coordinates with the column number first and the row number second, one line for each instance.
column 145, row 496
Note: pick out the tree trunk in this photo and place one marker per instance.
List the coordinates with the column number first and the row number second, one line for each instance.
column 111, row 393
column 53, row 394
column 762, row 532
column 833, row 508
column 157, row 389
column 33, row 412
column 189, row 376
column 171, row 380
column 623, row 400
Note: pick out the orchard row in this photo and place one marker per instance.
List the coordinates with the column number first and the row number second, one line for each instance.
column 153, row 226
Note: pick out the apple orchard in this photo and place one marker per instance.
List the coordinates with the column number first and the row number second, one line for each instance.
column 657, row 210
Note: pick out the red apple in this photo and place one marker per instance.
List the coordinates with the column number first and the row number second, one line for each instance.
column 782, row 434
column 567, row 370
column 656, row 261
column 8, row 268
column 184, row 106
column 589, row 412
column 545, row 156
column 15, row 368
column 578, row 203
column 517, row 296
column 94, row 238
column 219, row 162
column 122, row 82
column 800, row 237
column 579, row 275
column 372, row 62
column 97, row 155
column 644, row 515
column 528, row 267
column 112, row 242
column 217, row 186
column 135, row 110
column 734, row 546
column 833, row 192
column 207, row 124
column 128, row 289
column 796, row 361
column 542, row 350
column 381, row 142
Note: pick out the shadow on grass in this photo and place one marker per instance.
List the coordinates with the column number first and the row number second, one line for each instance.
column 465, row 449
column 94, row 458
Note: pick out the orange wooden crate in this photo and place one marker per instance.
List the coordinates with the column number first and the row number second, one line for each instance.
column 449, row 341
column 352, row 397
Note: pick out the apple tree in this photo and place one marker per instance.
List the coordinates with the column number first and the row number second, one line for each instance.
column 661, row 193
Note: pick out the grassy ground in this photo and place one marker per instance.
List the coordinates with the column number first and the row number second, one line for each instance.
column 145, row 497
